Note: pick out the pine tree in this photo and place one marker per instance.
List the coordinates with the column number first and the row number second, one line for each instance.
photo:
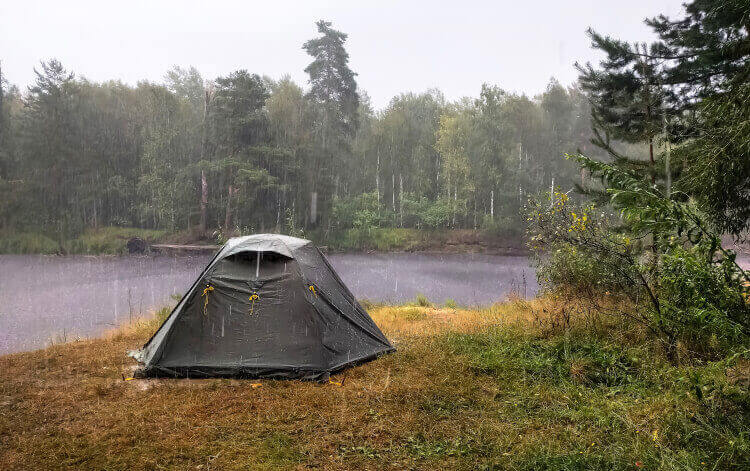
column 332, row 82
column 626, row 98
column 707, row 52
column 333, row 92
column 641, row 93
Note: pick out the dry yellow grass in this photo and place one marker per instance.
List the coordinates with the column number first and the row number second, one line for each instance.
column 69, row 405
column 423, row 407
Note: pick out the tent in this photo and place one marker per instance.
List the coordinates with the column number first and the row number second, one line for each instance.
column 266, row 306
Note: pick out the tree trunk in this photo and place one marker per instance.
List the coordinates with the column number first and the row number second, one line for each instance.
column 455, row 202
column 492, row 205
column 204, row 202
column 393, row 191
column 204, row 184
column 401, row 198
column 313, row 207
column 377, row 177
column 228, row 215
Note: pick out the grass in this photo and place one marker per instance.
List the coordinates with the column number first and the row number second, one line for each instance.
column 389, row 239
column 381, row 239
column 26, row 243
column 102, row 241
column 110, row 240
column 467, row 389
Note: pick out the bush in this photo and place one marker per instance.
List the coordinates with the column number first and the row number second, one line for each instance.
column 564, row 265
column 422, row 300
column 704, row 309
column 674, row 287
column 360, row 212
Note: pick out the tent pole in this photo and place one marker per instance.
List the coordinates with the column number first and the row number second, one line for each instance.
column 257, row 265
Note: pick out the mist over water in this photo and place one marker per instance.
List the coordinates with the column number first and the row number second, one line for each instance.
column 47, row 299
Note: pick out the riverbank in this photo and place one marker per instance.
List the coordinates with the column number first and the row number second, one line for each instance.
column 498, row 388
column 113, row 241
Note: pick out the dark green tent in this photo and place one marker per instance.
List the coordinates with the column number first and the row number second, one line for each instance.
column 266, row 306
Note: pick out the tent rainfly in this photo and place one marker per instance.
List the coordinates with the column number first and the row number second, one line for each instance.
column 266, row 306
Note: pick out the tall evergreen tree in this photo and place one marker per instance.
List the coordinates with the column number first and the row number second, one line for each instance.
column 333, row 91
column 332, row 82
column 50, row 143
column 707, row 52
column 626, row 96
column 641, row 93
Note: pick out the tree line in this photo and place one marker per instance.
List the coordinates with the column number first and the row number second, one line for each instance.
column 245, row 153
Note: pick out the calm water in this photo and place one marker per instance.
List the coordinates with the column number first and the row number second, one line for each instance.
column 48, row 298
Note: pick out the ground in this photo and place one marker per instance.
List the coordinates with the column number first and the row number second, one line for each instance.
column 498, row 388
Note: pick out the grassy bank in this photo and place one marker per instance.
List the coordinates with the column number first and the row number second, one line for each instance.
column 101, row 241
column 415, row 240
column 501, row 388
column 113, row 240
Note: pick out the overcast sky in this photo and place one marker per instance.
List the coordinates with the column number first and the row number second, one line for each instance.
column 394, row 46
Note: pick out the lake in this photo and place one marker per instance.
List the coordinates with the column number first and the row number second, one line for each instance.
column 52, row 298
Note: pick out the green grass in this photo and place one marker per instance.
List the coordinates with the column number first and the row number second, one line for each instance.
column 105, row 240
column 110, row 240
column 379, row 239
column 27, row 243
column 610, row 405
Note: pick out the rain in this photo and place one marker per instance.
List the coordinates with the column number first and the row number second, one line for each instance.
column 374, row 235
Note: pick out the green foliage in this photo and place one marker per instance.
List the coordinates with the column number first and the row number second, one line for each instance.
column 688, row 87
column 385, row 239
column 421, row 300
column 697, row 301
column 332, row 81
column 715, row 165
column 104, row 240
column 359, row 212
column 110, row 240
column 576, row 246
column 564, row 265
column 503, row 227
column 696, row 415
column 244, row 151
column 686, row 288
column 559, row 360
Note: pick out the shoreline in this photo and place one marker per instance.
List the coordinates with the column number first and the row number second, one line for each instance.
column 113, row 241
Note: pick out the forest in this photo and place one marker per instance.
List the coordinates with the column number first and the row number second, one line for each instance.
column 246, row 153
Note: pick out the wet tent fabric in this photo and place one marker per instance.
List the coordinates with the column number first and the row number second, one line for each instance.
column 266, row 306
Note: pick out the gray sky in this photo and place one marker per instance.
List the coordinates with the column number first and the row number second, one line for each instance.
column 394, row 46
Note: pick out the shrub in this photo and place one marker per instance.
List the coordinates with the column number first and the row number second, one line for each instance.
column 675, row 287
column 422, row 300
column 703, row 309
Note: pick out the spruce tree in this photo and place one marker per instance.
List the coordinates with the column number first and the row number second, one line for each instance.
column 332, row 82
column 644, row 93
column 333, row 93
